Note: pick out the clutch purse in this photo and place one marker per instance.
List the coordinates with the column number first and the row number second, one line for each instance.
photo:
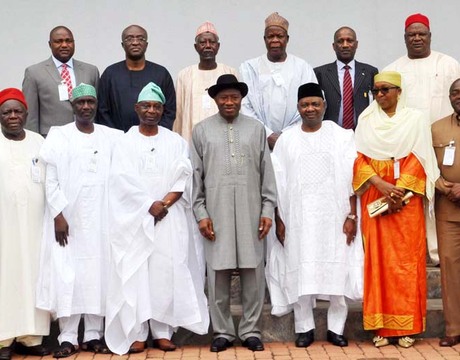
column 380, row 205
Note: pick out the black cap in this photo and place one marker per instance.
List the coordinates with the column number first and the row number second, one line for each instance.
column 310, row 89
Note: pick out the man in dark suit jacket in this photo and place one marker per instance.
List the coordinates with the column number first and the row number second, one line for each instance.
column 330, row 77
column 43, row 87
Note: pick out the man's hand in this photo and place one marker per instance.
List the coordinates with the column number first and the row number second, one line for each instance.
column 61, row 230
column 272, row 140
column 443, row 185
column 264, row 227
column 158, row 210
column 349, row 229
column 454, row 194
column 280, row 230
column 206, row 229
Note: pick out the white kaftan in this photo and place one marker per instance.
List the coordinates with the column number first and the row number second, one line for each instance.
column 22, row 204
column 193, row 102
column 426, row 82
column 157, row 270
column 314, row 176
column 272, row 96
column 73, row 278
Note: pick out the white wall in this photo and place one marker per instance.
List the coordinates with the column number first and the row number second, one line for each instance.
column 171, row 24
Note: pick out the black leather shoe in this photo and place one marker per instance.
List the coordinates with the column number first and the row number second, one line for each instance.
column 305, row 339
column 37, row 350
column 449, row 341
column 6, row 353
column 336, row 339
column 220, row 344
column 253, row 343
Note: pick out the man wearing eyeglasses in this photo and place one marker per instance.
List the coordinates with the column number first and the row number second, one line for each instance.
column 122, row 82
column 47, row 85
column 426, row 78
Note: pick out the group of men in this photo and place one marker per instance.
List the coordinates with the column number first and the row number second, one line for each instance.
column 90, row 254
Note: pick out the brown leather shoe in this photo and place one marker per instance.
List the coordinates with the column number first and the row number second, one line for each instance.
column 449, row 340
column 137, row 347
column 164, row 344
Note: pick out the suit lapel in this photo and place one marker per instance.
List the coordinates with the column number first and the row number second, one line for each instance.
column 53, row 71
column 333, row 76
column 360, row 74
column 77, row 71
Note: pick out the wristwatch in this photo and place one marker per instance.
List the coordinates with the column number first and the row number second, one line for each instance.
column 352, row 217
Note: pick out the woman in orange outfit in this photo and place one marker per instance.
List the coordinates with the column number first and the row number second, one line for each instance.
column 395, row 156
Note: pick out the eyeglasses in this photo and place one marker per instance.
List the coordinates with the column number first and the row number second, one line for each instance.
column 130, row 39
column 383, row 90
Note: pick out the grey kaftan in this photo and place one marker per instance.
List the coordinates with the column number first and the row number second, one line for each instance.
column 233, row 185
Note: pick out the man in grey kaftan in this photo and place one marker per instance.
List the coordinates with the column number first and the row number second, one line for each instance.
column 234, row 197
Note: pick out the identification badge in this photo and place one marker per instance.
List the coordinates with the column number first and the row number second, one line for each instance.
column 63, row 92
column 449, row 155
column 206, row 102
column 35, row 171
column 92, row 166
column 396, row 169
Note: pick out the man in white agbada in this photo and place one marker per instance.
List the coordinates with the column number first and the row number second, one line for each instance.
column 193, row 103
column 426, row 79
column 22, row 204
column 273, row 80
column 317, row 256
column 157, row 270
column 75, row 249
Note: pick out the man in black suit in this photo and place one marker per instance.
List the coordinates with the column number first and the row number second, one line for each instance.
column 331, row 78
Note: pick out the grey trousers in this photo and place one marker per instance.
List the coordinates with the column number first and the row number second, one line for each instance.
column 252, row 296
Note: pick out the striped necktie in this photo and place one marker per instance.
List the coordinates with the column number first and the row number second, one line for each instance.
column 65, row 75
column 347, row 121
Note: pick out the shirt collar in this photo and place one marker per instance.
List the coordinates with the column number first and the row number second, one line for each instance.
column 340, row 64
column 59, row 63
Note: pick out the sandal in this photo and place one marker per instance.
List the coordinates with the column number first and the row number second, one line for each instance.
column 380, row 341
column 97, row 346
column 64, row 350
column 406, row 342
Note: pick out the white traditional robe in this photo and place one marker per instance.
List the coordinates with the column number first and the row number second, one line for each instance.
column 73, row 278
column 314, row 180
column 157, row 270
column 193, row 102
column 272, row 96
column 426, row 82
column 22, row 204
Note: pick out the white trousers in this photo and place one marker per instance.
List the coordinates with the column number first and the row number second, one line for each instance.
column 94, row 328
column 26, row 340
column 431, row 236
column 159, row 330
column 336, row 314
